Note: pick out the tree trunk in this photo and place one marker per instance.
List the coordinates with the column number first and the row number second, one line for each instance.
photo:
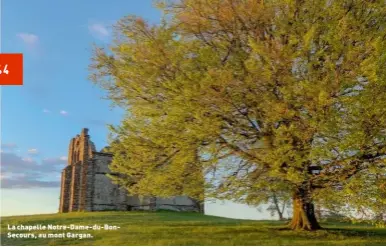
column 303, row 217
column 277, row 206
column 318, row 213
column 280, row 215
column 380, row 216
column 200, row 205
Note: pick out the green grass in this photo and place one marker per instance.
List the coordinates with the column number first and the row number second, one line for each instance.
column 172, row 228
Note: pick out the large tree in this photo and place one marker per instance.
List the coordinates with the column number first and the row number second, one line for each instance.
column 256, row 95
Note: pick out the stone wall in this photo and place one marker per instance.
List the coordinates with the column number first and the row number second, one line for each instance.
column 107, row 195
column 90, row 183
column 177, row 203
column 75, row 187
column 65, row 190
column 84, row 158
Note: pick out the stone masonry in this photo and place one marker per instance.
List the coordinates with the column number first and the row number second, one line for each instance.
column 85, row 185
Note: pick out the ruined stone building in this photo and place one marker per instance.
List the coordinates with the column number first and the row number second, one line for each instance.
column 85, row 186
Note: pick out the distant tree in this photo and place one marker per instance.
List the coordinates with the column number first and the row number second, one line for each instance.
column 255, row 95
column 278, row 205
column 278, row 197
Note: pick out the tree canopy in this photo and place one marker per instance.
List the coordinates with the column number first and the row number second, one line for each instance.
column 248, row 97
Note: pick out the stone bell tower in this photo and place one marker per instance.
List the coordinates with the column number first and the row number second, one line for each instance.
column 73, row 195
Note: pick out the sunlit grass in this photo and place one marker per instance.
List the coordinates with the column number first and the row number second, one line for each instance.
column 172, row 228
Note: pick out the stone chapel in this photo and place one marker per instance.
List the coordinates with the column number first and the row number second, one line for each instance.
column 85, row 186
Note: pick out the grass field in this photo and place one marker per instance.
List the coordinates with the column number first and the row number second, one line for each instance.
column 171, row 228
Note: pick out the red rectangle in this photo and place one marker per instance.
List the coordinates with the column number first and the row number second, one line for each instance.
column 11, row 69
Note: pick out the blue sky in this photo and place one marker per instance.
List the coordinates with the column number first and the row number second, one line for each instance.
column 57, row 100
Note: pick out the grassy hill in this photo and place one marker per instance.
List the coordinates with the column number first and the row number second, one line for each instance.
column 171, row 228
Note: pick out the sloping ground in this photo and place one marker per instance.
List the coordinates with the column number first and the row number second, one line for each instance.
column 171, row 228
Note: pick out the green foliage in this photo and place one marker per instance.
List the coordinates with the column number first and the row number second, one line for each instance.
column 255, row 95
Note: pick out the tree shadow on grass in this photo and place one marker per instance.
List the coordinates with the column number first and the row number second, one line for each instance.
column 357, row 232
column 335, row 231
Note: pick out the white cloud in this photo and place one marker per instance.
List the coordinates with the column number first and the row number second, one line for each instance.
column 33, row 151
column 8, row 146
column 28, row 38
column 98, row 30
column 10, row 175
column 63, row 112
column 28, row 160
column 54, row 161
column 46, row 111
column 25, row 172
